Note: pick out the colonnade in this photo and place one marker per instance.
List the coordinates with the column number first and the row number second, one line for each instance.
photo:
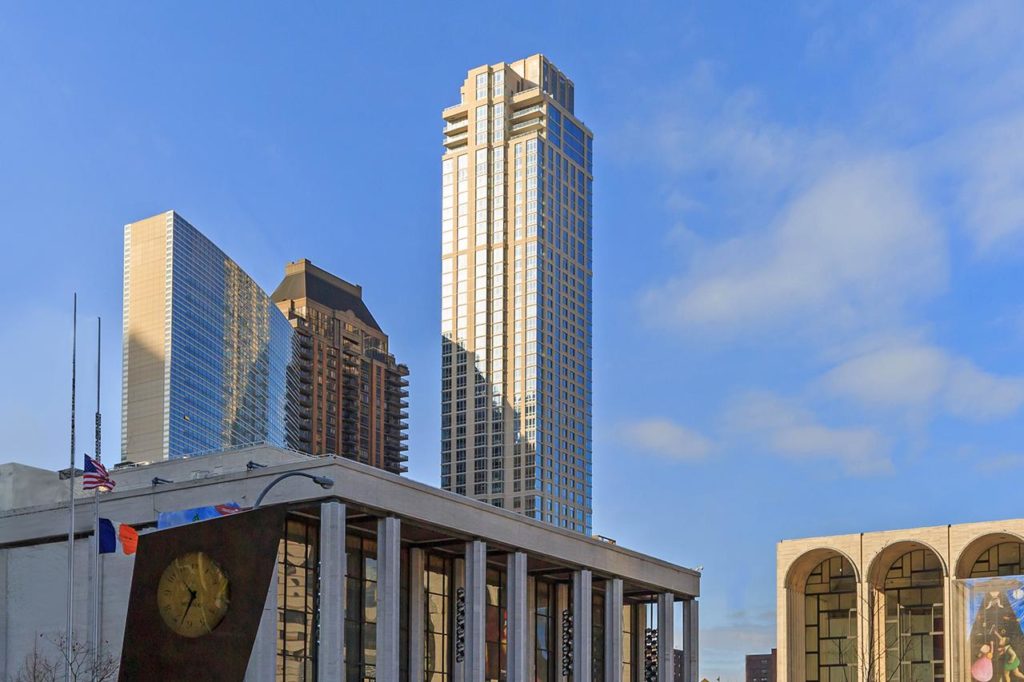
column 472, row 635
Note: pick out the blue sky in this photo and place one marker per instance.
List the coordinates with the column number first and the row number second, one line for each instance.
column 809, row 228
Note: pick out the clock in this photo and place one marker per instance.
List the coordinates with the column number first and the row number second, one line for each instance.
column 193, row 594
column 229, row 563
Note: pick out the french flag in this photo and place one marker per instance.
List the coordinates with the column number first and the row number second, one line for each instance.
column 124, row 535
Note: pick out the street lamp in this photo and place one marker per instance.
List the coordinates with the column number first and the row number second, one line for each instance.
column 321, row 481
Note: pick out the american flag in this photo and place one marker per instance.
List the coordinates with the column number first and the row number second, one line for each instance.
column 95, row 475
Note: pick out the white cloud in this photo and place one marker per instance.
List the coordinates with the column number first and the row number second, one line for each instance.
column 900, row 376
column 1010, row 462
column 974, row 394
column 665, row 438
column 921, row 376
column 992, row 194
column 858, row 243
column 790, row 431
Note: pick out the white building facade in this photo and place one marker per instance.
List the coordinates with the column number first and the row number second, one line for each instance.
column 392, row 564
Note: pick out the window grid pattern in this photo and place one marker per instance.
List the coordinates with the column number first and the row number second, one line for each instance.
column 914, row 618
column 597, row 638
column 229, row 351
column 1002, row 559
column 496, row 654
column 361, row 610
column 437, row 618
column 297, row 594
column 830, row 622
column 544, row 632
column 516, row 306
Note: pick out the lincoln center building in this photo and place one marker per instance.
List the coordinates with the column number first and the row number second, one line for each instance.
column 939, row 603
column 377, row 578
column 516, row 271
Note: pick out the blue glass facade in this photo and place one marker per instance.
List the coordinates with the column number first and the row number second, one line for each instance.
column 229, row 352
column 206, row 353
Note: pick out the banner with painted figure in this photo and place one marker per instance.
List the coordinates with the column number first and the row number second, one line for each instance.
column 995, row 636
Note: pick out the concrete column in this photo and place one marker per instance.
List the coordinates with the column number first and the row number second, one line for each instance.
column 263, row 658
column 866, row 595
column 692, row 645
column 333, row 568
column 416, row 615
column 582, row 633
column 476, row 611
column 613, row 630
column 954, row 621
column 666, row 636
column 389, row 597
column 518, row 622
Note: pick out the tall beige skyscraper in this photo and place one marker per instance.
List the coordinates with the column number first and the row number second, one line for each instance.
column 516, row 313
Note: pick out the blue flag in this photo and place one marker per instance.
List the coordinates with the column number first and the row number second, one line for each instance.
column 183, row 516
column 108, row 537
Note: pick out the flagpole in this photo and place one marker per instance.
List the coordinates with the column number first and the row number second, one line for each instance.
column 96, row 564
column 71, row 499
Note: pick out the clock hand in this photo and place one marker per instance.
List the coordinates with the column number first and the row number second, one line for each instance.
column 192, row 598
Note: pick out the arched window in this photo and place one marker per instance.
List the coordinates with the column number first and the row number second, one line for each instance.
column 830, row 622
column 914, row 618
column 1002, row 559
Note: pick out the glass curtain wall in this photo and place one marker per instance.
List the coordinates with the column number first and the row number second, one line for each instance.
column 437, row 616
column 361, row 610
column 1002, row 559
column 597, row 638
column 297, row 593
column 497, row 633
column 914, row 618
column 544, row 634
column 628, row 643
column 830, row 621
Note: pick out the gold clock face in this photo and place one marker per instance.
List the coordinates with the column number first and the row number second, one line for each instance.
column 193, row 595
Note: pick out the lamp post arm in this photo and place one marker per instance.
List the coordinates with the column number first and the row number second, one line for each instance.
column 322, row 481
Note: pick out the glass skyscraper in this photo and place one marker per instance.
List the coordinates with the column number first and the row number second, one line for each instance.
column 206, row 353
column 516, row 293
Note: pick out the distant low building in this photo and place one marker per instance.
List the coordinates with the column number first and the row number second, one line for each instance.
column 761, row 667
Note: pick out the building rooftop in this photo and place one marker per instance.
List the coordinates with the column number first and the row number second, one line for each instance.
column 430, row 515
column 302, row 279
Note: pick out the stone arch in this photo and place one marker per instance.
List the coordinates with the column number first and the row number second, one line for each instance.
column 884, row 559
column 908, row 612
column 815, row 611
column 978, row 546
column 801, row 567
